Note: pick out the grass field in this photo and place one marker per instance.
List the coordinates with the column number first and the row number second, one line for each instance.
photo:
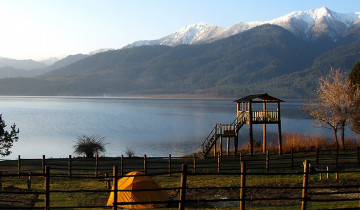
column 276, row 183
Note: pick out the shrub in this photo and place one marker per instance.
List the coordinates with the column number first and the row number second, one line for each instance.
column 89, row 145
column 129, row 152
column 7, row 138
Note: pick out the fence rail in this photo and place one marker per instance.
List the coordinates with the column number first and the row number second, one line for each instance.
column 242, row 167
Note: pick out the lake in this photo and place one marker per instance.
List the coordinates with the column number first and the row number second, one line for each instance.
column 155, row 127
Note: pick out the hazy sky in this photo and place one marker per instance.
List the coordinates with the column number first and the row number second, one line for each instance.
column 38, row 29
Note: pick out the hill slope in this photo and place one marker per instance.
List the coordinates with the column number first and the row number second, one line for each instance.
column 267, row 58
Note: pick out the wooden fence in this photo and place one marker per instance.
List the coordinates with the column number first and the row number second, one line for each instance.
column 320, row 162
column 261, row 162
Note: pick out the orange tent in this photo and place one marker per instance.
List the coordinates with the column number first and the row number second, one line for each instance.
column 137, row 180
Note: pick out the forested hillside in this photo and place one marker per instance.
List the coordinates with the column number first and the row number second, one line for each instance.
column 267, row 58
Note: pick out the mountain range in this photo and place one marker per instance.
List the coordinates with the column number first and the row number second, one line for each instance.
column 284, row 57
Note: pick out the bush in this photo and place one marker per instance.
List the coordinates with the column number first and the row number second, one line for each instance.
column 7, row 138
column 129, row 152
column 89, row 145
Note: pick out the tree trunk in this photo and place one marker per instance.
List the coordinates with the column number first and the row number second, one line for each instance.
column 342, row 127
column 336, row 138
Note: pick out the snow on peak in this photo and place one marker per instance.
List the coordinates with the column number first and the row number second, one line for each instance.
column 301, row 23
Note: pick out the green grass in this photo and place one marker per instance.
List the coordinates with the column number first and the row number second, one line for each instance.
column 61, row 199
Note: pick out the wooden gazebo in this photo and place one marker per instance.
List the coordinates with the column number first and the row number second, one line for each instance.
column 265, row 116
column 247, row 113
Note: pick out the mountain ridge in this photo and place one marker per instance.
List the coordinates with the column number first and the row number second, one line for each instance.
column 305, row 24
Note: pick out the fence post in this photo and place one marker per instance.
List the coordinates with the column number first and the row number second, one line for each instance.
column 327, row 170
column 267, row 161
column 218, row 163
column 242, row 185
column 47, row 187
column 145, row 166
column 169, row 164
column 29, row 181
column 183, row 187
column 96, row 165
column 19, row 165
column 107, row 181
column 115, row 184
column 43, row 163
column 194, row 163
column 292, row 159
column 305, row 185
column 122, row 165
column 241, row 157
column 1, row 173
column 69, row 166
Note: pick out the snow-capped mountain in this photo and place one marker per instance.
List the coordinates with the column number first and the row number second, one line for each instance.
column 308, row 25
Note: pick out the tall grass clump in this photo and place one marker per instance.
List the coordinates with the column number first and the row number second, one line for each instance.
column 303, row 142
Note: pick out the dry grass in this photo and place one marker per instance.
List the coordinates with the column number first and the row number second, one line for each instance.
column 301, row 142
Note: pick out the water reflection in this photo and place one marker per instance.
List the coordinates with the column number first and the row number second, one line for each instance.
column 156, row 127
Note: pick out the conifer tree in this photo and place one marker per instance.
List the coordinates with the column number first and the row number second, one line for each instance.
column 7, row 138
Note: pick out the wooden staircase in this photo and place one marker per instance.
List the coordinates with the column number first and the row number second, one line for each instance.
column 224, row 130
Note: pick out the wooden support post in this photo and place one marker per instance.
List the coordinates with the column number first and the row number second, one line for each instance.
column 242, row 185
column 215, row 146
column 264, row 138
column 183, row 187
column 43, row 163
column 145, row 165
column 194, row 163
column 122, row 165
column 279, row 129
column 267, row 161
column 19, row 165
column 264, row 128
column 251, row 139
column 47, row 188
column 241, row 156
column 305, row 185
column 115, row 185
column 69, row 166
column 228, row 146
column 169, row 164
column 221, row 145
column 96, row 165
column 292, row 159
column 1, row 173
column 251, row 130
column 218, row 163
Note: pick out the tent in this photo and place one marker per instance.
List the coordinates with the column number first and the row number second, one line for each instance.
column 137, row 180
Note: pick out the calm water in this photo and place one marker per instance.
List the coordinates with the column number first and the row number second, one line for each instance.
column 156, row 127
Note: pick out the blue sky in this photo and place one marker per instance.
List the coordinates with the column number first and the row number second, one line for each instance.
column 38, row 29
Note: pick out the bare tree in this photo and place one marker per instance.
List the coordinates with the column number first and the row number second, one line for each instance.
column 332, row 106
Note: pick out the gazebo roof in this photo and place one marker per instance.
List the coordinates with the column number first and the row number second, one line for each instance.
column 262, row 96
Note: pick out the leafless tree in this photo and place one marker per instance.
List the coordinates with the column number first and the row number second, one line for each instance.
column 332, row 106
